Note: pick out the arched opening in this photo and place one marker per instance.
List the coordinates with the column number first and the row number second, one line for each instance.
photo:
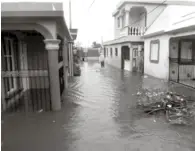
column 25, row 74
column 138, row 17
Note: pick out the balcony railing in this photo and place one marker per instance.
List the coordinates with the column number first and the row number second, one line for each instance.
column 132, row 31
column 136, row 31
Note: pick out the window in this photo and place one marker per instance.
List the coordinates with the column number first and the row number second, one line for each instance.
column 118, row 22
column 154, row 51
column 111, row 52
column 8, row 63
column 116, row 52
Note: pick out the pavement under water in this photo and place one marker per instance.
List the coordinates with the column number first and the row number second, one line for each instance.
column 98, row 114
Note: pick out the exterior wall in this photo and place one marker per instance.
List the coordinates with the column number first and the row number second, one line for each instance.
column 160, row 69
column 116, row 60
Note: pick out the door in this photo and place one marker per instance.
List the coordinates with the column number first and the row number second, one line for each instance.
column 122, row 59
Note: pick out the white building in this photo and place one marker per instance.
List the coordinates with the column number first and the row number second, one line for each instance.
column 142, row 25
column 170, row 45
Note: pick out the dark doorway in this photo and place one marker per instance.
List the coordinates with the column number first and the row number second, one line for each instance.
column 125, row 55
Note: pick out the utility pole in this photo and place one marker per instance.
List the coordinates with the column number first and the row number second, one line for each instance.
column 70, row 17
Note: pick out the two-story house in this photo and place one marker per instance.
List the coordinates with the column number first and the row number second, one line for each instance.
column 131, row 20
column 154, row 37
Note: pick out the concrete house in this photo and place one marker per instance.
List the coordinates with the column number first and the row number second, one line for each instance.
column 170, row 45
column 131, row 20
column 93, row 54
column 36, row 56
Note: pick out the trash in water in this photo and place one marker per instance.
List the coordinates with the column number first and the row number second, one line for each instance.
column 178, row 109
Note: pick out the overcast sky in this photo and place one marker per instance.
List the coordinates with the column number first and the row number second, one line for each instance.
column 92, row 23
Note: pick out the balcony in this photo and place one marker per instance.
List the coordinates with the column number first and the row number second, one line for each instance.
column 132, row 31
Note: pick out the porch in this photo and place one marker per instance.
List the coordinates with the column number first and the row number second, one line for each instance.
column 25, row 75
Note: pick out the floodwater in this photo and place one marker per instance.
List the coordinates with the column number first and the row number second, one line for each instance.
column 98, row 114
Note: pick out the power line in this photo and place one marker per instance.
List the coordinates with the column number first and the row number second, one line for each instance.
column 91, row 4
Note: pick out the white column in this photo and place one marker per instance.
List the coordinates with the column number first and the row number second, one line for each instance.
column 71, row 58
column 127, row 18
column 65, row 63
column 121, row 22
column 52, row 45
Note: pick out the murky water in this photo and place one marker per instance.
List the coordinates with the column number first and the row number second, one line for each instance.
column 98, row 114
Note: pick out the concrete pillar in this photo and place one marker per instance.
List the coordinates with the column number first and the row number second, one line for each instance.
column 127, row 18
column 71, row 58
column 65, row 63
column 121, row 22
column 52, row 45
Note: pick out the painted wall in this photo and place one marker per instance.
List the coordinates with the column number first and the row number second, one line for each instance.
column 116, row 60
column 161, row 69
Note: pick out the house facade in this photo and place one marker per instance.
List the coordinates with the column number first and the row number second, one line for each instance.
column 170, row 47
column 36, row 56
column 155, row 38
column 131, row 20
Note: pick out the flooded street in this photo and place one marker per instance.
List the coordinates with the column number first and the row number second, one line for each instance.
column 98, row 114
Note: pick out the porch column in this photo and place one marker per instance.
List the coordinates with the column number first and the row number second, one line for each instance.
column 70, row 58
column 127, row 17
column 121, row 22
column 52, row 45
column 65, row 63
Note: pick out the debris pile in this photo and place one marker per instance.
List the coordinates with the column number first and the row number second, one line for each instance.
column 178, row 109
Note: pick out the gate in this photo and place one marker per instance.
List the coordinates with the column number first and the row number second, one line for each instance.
column 25, row 77
column 182, row 63
column 138, row 60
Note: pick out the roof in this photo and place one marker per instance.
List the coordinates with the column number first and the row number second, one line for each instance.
column 31, row 9
column 53, row 10
column 124, row 40
column 173, row 17
column 166, row 2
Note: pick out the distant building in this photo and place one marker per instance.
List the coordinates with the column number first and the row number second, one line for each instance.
column 93, row 54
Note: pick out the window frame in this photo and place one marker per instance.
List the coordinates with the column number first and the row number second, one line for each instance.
column 11, row 81
column 157, row 41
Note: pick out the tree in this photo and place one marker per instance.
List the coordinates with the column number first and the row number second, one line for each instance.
column 96, row 45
